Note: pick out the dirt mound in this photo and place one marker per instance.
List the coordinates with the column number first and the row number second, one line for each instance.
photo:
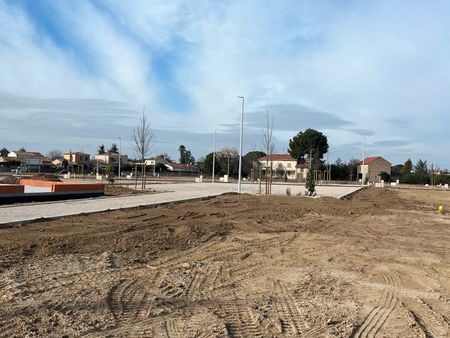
column 46, row 177
column 117, row 190
column 9, row 180
column 234, row 266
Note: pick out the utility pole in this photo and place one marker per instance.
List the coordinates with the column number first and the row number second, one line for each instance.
column 240, row 144
column 214, row 156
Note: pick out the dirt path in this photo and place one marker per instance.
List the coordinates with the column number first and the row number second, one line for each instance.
column 234, row 266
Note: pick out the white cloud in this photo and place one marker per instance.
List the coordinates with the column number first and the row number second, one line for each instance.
column 371, row 64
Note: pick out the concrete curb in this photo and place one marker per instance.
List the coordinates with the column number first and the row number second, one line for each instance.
column 351, row 194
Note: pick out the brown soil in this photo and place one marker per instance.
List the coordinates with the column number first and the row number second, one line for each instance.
column 234, row 266
column 9, row 180
column 117, row 190
column 46, row 177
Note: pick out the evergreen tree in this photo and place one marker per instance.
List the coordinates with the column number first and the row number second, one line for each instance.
column 407, row 167
column 308, row 142
column 113, row 148
column 310, row 185
column 4, row 152
column 101, row 149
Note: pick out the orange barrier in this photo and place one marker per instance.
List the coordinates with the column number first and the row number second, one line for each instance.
column 63, row 186
column 37, row 183
column 11, row 189
column 59, row 187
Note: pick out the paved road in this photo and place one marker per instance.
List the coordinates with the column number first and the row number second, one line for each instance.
column 167, row 193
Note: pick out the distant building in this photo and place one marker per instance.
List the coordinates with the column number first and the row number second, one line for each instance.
column 182, row 168
column 155, row 161
column 373, row 167
column 112, row 158
column 57, row 163
column 77, row 158
column 281, row 164
column 26, row 157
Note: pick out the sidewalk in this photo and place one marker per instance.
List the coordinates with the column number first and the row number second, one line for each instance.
column 166, row 193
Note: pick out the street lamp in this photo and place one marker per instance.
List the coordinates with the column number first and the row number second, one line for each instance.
column 214, row 156
column 363, row 161
column 120, row 149
column 240, row 144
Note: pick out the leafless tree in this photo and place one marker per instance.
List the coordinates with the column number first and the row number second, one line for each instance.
column 269, row 147
column 266, row 137
column 143, row 137
column 55, row 154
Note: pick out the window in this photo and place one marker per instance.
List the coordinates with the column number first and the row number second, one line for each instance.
column 280, row 165
column 289, row 165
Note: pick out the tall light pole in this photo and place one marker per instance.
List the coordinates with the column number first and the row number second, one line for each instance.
column 214, row 156
column 240, row 144
column 363, row 161
column 120, row 149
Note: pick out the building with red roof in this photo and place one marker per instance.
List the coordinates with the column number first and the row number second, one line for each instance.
column 372, row 167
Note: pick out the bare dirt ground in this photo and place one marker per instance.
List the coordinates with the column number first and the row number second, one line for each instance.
column 118, row 190
column 234, row 266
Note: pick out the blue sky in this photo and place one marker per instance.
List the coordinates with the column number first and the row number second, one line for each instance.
column 75, row 74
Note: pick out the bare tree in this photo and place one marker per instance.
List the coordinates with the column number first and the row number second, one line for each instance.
column 269, row 147
column 143, row 137
column 266, row 137
column 55, row 154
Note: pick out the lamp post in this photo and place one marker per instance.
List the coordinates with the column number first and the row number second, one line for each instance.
column 240, row 144
column 363, row 161
column 214, row 156
column 120, row 149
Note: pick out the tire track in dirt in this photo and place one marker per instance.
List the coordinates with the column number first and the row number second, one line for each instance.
column 376, row 318
column 128, row 300
column 239, row 321
column 289, row 314
column 431, row 322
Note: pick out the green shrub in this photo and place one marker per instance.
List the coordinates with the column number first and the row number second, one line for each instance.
column 310, row 185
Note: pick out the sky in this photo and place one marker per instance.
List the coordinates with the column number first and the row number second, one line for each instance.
column 77, row 74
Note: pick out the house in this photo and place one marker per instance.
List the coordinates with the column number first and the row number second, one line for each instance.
column 26, row 157
column 155, row 161
column 373, row 167
column 77, row 158
column 112, row 159
column 57, row 163
column 281, row 164
column 182, row 168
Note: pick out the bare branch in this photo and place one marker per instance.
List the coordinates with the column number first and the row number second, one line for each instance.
column 143, row 137
column 266, row 137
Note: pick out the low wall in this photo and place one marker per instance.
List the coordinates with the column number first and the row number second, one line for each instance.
column 63, row 186
column 11, row 189
column 36, row 183
column 77, row 187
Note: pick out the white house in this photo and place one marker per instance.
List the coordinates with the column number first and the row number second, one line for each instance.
column 152, row 161
column 112, row 158
column 281, row 164
column 27, row 157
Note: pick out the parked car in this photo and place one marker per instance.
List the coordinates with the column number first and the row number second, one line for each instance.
column 19, row 170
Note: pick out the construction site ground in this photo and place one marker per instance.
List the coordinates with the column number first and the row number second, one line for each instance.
column 234, row 266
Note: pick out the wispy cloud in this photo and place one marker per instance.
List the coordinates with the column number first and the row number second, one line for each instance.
column 351, row 70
